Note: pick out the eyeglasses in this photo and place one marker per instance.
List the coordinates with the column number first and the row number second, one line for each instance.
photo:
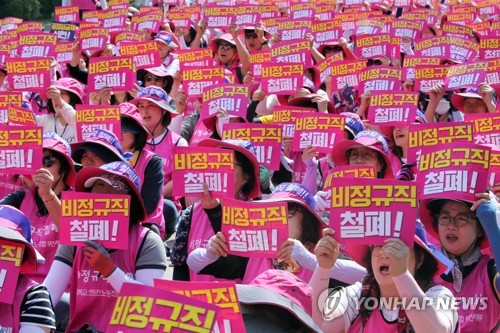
column 364, row 154
column 332, row 49
column 48, row 161
column 292, row 209
column 376, row 250
column 225, row 46
column 372, row 62
column 459, row 220
column 251, row 36
column 150, row 78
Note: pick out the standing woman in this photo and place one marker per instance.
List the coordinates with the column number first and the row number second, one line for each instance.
column 42, row 204
column 463, row 229
column 141, row 263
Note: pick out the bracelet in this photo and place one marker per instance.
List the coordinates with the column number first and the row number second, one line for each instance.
column 51, row 199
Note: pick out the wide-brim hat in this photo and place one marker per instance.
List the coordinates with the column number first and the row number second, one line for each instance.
column 458, row 99
column 251, row 28
column 156, row 95
column 306, row 100
column 322, row 47
column 120, row 169
column 247, row 149
column 102, row 143
column 428, row 219
column 129, row 110
column 367, row 139
column 358, row 252
column 225, row 37
column 55, row 143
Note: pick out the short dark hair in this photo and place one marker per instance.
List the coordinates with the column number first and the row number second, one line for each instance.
column 247, row 168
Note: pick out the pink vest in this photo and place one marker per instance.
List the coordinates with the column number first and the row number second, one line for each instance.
column 10, row 314
column 156, row 216
column 258, row 265
column 85, row 4
column 92, row 297
column 298, row 167
column 9, row 184
column 200, row 132
column 483, row 316
column 396, row 163
column 199, row 234
column 325, row 168
column 376, row 323
column 44, row 235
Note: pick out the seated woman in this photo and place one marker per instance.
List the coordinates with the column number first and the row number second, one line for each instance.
column 463, row 229
column 32, row 310
column 141, row 263
column 395, row 273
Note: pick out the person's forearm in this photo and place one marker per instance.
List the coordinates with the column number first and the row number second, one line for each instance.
column 430, row 112
column 318, row 57
column 143, row 276
column 244, row 56
column 200, row 258
column 69, row 114
column 167, row 190
column 319, row 283
column 311, row 176
column 489, row 217
column 53, row 205
column 492, row 108
column 57, row 280
column 423, row 319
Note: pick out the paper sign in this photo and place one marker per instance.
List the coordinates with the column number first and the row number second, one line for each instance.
column 326, row 32
column 369, row 26
column 396, row 109
column 373, row 46
column 28, row 74
column 494, row 171
column 424, row 135
column 325, row 66
column 282, row 79
column 90, row 16
column 347, row 74
column 193, row 58
column 20, row 116
column 148, row 309
column 93, row 39
column 348, row 171
column 112, row 72
column 33, row 45
column 411, row 62
column 463, row 50
column 219, row 16
column 266, row 138
column 286, row 116
column 254, row 229
column 63, row 31
column 11, row 257
column 468, row 75
column 380, row 78
column 368, row 211
column 232, row 97
column 67, row 14
column 64, row 52
column 486, row 128
column 180, row 20
column 20, row 149
column 450, row 29
column 103, row 218
column 319, row 130
column 429, row 76
column 222, row 294
column 127, row 36
column 493, row 74
column 433, row 47
column 257, row 59
column 198, row 78
column 145, row 54
column 89, row 117
column 114, row 19
column 247, row 15
column 6, row 99
column 195, row 166
column 489, row 48
column 292, row 52
column 454, row 171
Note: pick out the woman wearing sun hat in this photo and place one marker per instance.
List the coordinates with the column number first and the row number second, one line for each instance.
column 42, row 203
column 32, row 310
column 394, row 271
column 463, row 229
column 141, row 263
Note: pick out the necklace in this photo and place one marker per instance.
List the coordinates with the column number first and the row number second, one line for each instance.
column 55, row 127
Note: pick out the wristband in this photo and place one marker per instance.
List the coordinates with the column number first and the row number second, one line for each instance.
column 51, row 199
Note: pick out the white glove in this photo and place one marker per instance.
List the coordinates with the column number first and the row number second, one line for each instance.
column 323, row 200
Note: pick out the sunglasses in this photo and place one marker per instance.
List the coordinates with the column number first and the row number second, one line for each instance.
column 249, row 36
column 372, row 62
column 48, row 161
column 333, row 49
column 150, row 78
column 225, row 46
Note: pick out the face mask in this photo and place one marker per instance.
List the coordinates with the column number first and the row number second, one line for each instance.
column 443, row 107
column 220, row 124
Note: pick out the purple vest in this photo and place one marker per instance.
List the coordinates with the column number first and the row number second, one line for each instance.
column 476, row 287
column 92, row 297
column 156, row 216
column 44, row 235
column 10, row 314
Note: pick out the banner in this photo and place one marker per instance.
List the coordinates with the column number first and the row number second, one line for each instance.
column 254, row 229
column 103, row 218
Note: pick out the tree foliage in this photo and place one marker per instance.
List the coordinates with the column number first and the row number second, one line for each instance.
column 25, row 9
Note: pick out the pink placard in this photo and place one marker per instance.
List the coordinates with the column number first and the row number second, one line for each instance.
column 33, row 45
column 64, row 52
column 113, row 19
column 117, row 73
column 347, row 73
column 159, row 310
column 103, row 218
column 436, row 134
column 493, row 74
column 380, row 78
column 145, row 54
column 282, row 79
column 20, row 149
column 368, row 211
column 285, row 116
column 292, row 52
column 28, row 74
column 429, row 76
column 319, row 130
column 195, row 166
column 266, row 138
column 369, row 26
column 198, row 78
column 396, row 109
column 93, row 39
column 6, row 99
column 298, row 34
column 147, row 21
column 303, row 13
column 489, row 48
column 494, row 171
column 67, row 14
column 463, row 50
column 89, row 117
column 433, row 47
column 468, row 75
column 11, row 257
column 326, row 32
column 325, row 66
column 372, row 46
column 20, row 116
column 219, row 16
column 254, row 229
column 222, row 294
column 232, row 97
column 486, row 128
column 257, row 59
column 348, row 171
column 453, row 170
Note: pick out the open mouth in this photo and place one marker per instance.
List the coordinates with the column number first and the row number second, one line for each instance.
column 451, row 238
column 384, row 269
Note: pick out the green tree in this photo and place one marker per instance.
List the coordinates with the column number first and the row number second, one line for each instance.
column 25, row 9
column 47, row 7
